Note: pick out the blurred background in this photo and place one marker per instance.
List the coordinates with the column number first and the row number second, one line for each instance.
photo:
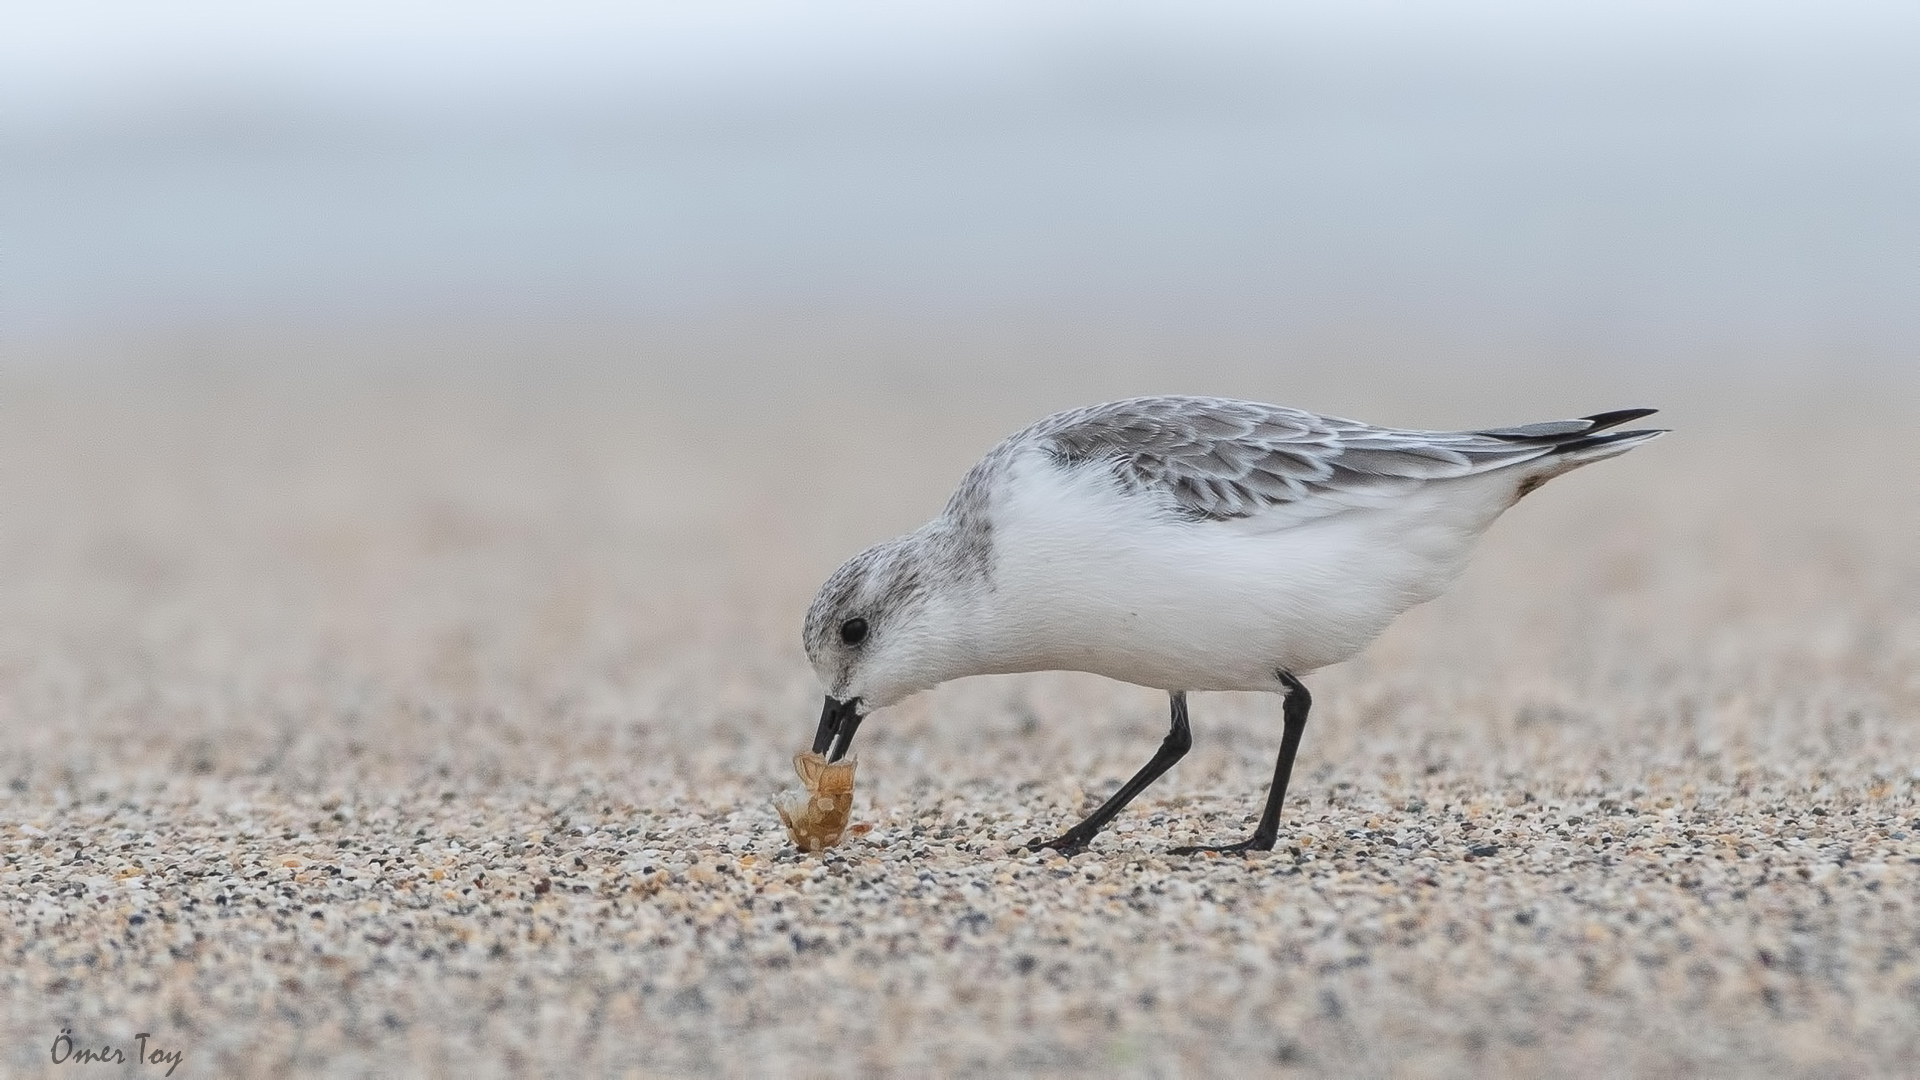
column 1701, row 182
column 575, row 342
column 523, row 351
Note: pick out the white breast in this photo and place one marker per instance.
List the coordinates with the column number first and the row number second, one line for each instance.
column 1088, row 577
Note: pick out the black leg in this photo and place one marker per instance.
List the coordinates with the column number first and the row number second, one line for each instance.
column 1172, row 749
column 1295, row 713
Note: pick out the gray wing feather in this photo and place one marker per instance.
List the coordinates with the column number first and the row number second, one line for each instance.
column 1545, row 429
column 1218, row 459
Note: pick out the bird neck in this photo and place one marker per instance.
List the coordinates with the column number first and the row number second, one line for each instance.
column 960, row 605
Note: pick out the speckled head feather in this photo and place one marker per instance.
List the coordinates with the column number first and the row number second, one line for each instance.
column 886, row 586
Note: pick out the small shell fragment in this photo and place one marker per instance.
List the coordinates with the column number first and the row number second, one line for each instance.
column 818, row 822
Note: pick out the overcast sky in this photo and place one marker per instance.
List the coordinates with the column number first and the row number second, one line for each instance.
column 1640, row 168
column 61, row 60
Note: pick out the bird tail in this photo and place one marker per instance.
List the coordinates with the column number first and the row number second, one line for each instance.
column 1573, row 443
column 1600, row 447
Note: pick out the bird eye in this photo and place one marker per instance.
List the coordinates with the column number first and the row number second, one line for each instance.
column 853, row 631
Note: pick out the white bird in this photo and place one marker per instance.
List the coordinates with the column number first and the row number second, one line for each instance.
column 1181, row 543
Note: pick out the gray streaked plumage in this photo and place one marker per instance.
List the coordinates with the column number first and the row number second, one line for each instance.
column 1219, row 458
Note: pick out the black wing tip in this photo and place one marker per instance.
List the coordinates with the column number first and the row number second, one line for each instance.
column 1588, row 442
column 1562, row 432
column 1605, row 420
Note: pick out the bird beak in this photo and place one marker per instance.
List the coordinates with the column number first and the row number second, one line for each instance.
column 838, row 721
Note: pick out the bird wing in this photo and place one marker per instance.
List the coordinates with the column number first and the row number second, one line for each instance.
column 1218, row 459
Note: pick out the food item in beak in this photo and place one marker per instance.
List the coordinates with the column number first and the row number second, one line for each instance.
column 818, row 823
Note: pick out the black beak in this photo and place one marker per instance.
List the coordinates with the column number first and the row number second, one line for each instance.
column 838, row 721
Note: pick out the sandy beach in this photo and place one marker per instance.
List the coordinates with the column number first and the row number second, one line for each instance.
column 429, row 725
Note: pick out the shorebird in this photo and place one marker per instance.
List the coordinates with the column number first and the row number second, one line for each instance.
column 1180, row 543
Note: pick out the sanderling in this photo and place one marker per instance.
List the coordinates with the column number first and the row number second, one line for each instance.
column 1181, row 543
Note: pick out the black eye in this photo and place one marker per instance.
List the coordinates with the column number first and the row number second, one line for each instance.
column 853, row 631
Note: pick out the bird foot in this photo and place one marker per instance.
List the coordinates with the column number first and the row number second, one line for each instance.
column 1067, row 845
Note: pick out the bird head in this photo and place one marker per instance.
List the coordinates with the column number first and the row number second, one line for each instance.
column 876, row 634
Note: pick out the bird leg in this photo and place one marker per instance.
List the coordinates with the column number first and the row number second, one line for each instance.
column 1172, row 749
column 1294, row 711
